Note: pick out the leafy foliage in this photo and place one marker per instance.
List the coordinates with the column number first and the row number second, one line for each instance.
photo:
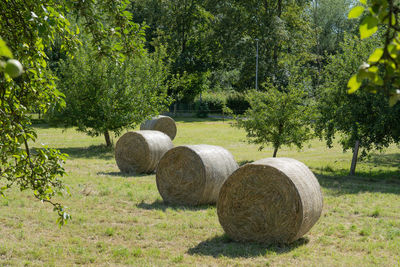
column 202, row 109
column 384, row 13
column 215, row 101
column 277, row 117
column 183, row 27
column 361, row 116
column 102, row 95
column 237, row 102
column 29, row 28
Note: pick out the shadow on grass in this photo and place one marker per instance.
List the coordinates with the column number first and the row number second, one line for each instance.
column 387, row 160
column 194, row 119
column 122, row 174
column 160, row 205
column 44, row 125
column 100, row 151
column 341, row 183
column 224, row 246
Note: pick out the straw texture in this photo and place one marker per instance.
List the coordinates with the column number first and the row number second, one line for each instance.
column 193, row 175
column 140, row 151
column 273, row 200
column 161, row 123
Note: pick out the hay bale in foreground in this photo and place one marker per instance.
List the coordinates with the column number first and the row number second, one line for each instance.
column 161, row 123
column 193, row 175
column 273, row 200
column 140, row 152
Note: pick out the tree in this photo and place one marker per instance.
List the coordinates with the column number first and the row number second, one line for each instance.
column 384, row 13
column 104, row 96
column 28, row 28
column 183, row 27
column 361, row 118
column 331, row 23
column 279, row 26
column 278, row 117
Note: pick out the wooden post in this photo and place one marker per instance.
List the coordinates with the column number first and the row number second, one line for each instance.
column 354, row 160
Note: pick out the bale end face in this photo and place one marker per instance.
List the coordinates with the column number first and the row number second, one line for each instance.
column 161, row 123
column 270, row 201
column 193, row 175
column 140, row 151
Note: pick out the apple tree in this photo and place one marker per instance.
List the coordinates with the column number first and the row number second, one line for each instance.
column 104, row 96
column 29, row 28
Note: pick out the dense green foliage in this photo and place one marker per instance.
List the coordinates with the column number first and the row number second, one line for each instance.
column 278, row 117
column 103, row 96
column 30, row 28
column 215, row 101
column 384, row 13
column 361, row 116
column 211, row 44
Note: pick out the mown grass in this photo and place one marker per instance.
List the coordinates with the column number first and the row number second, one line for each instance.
column 121, row 219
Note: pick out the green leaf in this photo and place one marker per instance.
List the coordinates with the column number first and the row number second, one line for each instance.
column 4, row 50
column 368, row 27
column 392, row 49
column 376, row 55
column 373, row 69
column 393, row 100
column 363, row 2
column 353, row 84
column 356, row 12
column 378, row 80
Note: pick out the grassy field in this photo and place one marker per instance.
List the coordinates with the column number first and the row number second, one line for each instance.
column 121, row 220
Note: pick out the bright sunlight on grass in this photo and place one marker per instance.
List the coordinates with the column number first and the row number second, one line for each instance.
column 119, row 219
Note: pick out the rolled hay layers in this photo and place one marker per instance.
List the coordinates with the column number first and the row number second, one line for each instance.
column 193, row 175
column 140, row 151
column 161, row 123
column 273, row 200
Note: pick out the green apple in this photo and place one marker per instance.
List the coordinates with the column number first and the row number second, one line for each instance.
column 13, row 68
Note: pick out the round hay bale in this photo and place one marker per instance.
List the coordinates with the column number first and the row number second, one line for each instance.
column 273, row 200
column 140, row 152
column 161, row 123
column 193, row 175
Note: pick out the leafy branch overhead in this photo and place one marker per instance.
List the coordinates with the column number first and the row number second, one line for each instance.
column 383, row 67
column 29, row 30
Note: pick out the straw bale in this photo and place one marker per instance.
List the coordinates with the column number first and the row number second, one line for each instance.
column 140, row 151
column 193, row 175
column 161, row 123
column 273, row 200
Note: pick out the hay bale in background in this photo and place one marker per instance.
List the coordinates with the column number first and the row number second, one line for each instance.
column 273, row 200
column 161, row 123
column 193, row 175
column 140, row 152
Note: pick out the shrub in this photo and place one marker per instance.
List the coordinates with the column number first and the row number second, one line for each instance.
column 215, row 101
column 237, row 102
column 202, row 109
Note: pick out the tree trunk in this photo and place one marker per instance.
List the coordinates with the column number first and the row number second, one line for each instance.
column 275, row 151
column 354, row 160
column 108, row 139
